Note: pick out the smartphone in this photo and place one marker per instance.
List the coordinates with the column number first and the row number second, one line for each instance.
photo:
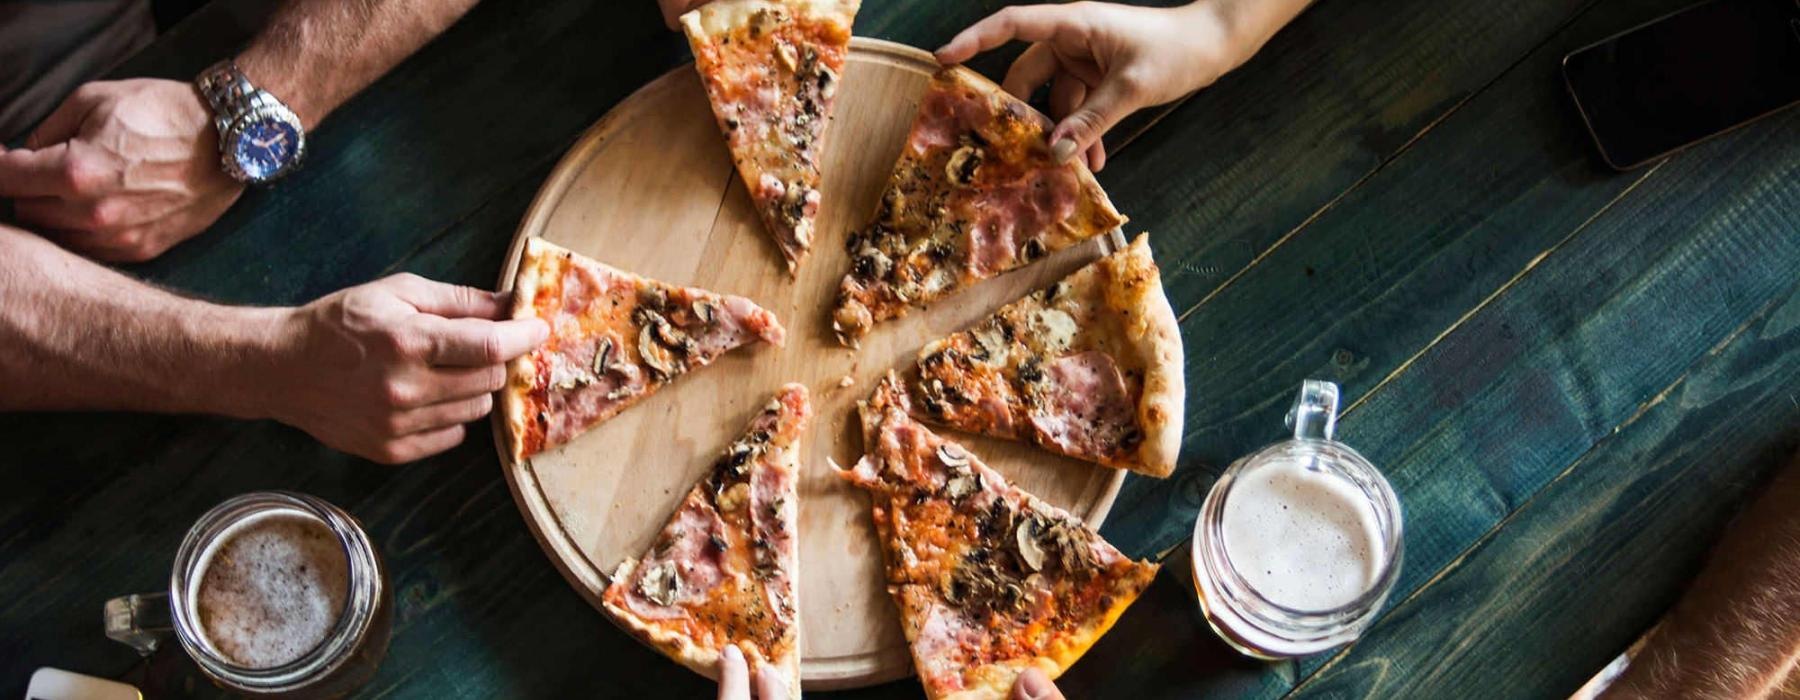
column 1651, row 90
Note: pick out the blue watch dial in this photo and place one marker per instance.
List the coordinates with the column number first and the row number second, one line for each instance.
column 264, row 147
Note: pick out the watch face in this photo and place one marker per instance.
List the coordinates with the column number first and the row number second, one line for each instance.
column 264, row 147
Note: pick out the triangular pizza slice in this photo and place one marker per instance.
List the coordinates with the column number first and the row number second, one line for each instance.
column 989, row 579
column 771, row 70
column 976, row 193
column 615, row 338
column 1089, row 367
column 724, row 570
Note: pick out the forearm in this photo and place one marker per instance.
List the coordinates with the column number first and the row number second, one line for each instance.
column 315, row 54
column 1736, row 633
column 1248, row 24
column 75, row 335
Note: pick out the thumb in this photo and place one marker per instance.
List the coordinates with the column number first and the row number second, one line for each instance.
column 1034, row 685
column 734, row 675
column 1104, row 107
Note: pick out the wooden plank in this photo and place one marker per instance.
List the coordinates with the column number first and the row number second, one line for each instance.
column 1369, row 283
column 1586, row 565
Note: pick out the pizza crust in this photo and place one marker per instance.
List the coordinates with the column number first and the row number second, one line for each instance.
column 717, row 18
column 1156, row 340
column 514, row 397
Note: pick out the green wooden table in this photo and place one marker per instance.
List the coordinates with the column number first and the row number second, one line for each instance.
column 1572, row 376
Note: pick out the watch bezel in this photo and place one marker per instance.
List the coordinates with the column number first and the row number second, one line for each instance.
column 259, row 111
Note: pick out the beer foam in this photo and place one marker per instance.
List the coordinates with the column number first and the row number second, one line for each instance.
column 271, row 588
column 1304, row 539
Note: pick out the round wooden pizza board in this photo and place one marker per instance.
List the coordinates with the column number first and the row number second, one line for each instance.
column 650, row 188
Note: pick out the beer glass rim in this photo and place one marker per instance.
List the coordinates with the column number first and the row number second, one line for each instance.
column 362, row 592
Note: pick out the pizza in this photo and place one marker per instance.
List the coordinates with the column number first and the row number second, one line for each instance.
column 771, row 70
column 724, row 570
column 615, row 338
column 1089, row 367
column 989, row 580
column 975, row 193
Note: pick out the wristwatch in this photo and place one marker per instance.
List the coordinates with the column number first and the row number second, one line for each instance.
column 260, row 139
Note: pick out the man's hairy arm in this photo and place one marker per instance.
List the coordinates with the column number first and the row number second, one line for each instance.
column 78, row 335
column 125, row 169
column 389, row 370
column 1736, row 633
column 315, row 54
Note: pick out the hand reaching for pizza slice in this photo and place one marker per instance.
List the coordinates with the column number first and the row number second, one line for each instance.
column 1104, row 61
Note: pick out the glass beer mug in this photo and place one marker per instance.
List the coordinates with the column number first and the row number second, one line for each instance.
column 1298, row 544
column 272, row 594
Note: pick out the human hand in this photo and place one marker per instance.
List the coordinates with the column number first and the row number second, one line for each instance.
column 391, row 370
column 1104, row 61
column 121, row 171
column 734, row 678
column 673, row 9
column 1034, row 685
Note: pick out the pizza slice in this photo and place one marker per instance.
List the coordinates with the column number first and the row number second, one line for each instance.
column 975, row 193
column 771, row 71
column 724, row 570
column 615, row 338
column 989, row 580
column 1089, row 367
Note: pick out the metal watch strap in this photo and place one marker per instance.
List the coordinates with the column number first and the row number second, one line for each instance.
column 228, row 91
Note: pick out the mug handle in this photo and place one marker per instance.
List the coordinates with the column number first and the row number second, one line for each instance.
column 139, row 620
column 1315, row 412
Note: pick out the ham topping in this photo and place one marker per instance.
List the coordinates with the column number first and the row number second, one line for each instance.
column 1083, row 407
column 683, row 567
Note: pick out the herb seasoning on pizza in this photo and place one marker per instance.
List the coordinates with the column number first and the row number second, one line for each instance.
column 771, row 70
column 1090, row 367
column 724, row 570
column 989, row 580
column 976, row 193
column 615, row 338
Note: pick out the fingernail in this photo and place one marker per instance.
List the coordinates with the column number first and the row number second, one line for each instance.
column 734, row 654
column 1034, row 685
column 1063, row 149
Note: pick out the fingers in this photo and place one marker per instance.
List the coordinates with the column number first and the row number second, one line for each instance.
column 441, row 415
column 473, row 342
column 1066, row 95
column 1104, row 107
column 449, row 383
column 447, row 300
column 1033, row 68
column 1034, row 685
column 734, row 675
column 770, row 683
column 418, row 446
column 65, row 122
column 41, row 173
column 1021, row 22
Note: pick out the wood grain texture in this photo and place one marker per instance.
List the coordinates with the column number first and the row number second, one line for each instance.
column 650, row 188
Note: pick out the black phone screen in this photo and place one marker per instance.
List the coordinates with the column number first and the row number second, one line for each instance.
column 1687, row 76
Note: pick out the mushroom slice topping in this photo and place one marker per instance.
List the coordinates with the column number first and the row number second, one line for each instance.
column 661, row 584
column 659, row 358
